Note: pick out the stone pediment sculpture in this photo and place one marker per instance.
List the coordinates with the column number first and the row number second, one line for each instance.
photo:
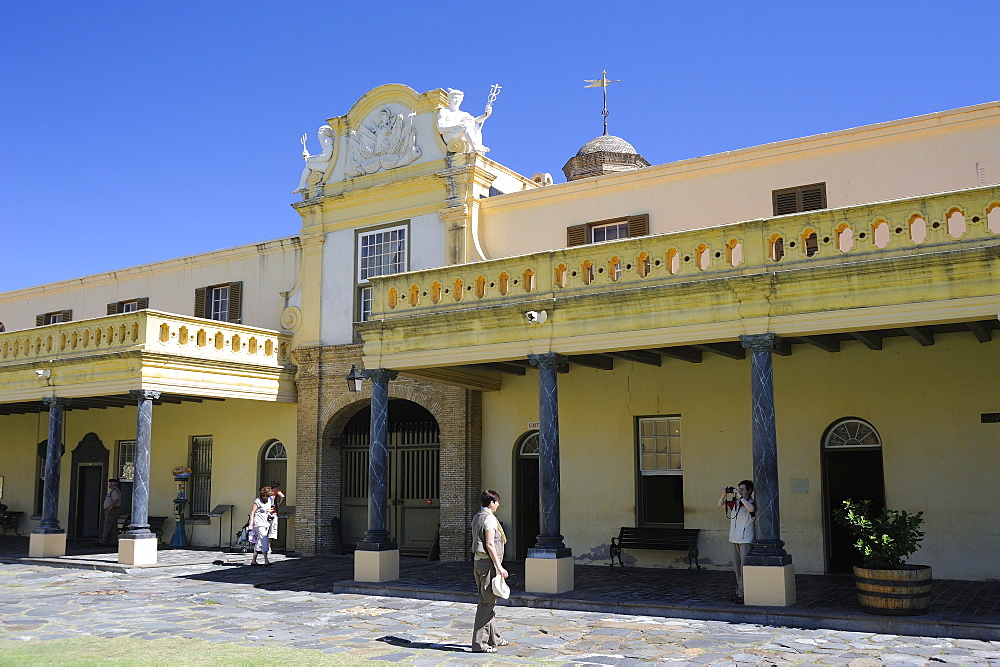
column 317, row 166
column 386, row 142
column 461, row 131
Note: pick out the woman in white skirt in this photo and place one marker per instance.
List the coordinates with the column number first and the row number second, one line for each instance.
column 261, row 516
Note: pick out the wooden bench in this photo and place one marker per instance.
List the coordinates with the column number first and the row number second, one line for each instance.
column 661, row 539
column 155, row 525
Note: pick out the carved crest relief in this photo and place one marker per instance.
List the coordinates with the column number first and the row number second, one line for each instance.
column 384, row 141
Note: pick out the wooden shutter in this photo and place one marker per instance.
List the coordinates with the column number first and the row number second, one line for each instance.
column 113, row 308
column 199, row 302
column 576, row 235
column 638, row 225
column 813, row 197
column 67, row 315
column 785, row 201
column 40, row 320
column 235, row 294
column 142, row 303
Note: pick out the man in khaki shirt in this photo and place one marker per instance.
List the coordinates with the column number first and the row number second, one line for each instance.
column 487, row 548
column 112, row 509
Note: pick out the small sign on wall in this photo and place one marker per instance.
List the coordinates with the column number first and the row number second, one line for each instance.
column 532, row 425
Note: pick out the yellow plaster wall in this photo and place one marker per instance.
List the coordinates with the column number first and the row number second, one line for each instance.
column 926, row 154
column 239, row 430
column 925, row 402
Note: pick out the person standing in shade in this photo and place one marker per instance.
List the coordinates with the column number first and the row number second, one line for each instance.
column 261, row 517
column 279, row 498
column 741, row 513
column 112, row 509
column 488, row 541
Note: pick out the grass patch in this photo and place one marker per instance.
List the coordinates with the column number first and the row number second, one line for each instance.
column 171, row 651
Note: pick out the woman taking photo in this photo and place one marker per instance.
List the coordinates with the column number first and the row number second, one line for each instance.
column 261, row 516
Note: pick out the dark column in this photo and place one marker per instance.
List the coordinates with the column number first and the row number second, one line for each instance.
column 53, row 454
column 550, row 542
column 768, row 549
column 377, row 536
column 139, row 528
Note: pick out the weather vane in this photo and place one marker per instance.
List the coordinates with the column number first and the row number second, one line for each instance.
column 602, row 83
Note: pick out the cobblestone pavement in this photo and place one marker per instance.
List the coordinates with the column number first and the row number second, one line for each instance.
column 39, row 603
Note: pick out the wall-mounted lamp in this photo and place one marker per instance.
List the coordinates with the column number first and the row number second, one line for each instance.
column 43, row 373
column 354, row 379
column 536, row 316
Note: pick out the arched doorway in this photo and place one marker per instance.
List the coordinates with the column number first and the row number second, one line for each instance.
column 414, row 508
column 852, row 468
column 526, row 521
column 274, row 465
column 88, row 483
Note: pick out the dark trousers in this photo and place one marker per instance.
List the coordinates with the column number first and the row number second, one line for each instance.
column 109, row 529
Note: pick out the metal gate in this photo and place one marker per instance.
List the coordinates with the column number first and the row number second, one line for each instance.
column 414, row 506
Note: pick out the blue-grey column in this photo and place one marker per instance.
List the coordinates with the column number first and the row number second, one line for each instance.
column 377, row 536
column 550, row 542
column 767, row 549
column 53, row 454
column 139, row 528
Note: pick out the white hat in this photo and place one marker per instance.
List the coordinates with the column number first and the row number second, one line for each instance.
column 500, row 587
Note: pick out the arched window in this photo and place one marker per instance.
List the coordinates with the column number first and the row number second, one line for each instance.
column 852, row 433
column 529, row 446
column 275, row 452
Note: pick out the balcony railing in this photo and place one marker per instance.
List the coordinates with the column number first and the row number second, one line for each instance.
column 870, row 232
column 149, row 331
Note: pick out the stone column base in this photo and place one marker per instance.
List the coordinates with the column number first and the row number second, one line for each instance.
column 548, row 575
column 133, row 551
column 47, row 545
column 770, row 585
column 376, row 566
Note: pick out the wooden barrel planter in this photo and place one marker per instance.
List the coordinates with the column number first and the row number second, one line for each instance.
column 905, row 592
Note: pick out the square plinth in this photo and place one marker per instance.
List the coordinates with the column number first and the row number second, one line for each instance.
column 137, row 552
column 47, row 545
column 376, row 566
column 548, row 575
column 769, row 586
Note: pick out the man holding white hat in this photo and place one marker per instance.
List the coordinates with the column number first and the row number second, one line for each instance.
column 488, row 540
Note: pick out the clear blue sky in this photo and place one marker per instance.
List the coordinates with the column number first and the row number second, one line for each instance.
column 132, row 132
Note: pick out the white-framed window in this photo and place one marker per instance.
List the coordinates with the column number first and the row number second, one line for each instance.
column 130, row 306
column 218, row 307
column 380, row 253
column 125, row 470
column 610, row 232
column 200, row 482
column 276, row 452
column 661, row 471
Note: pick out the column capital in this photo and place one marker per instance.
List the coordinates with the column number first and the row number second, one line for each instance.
column 57, row 401
column 379, row 374
column 765, row 342
column 548, row 360
column 144, row 394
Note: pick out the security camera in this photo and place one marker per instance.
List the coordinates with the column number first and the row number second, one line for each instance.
column 43, row 373
column 536, row 316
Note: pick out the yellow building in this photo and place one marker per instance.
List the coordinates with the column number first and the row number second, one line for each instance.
column 640, row 317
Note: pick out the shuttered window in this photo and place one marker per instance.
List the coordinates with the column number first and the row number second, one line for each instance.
column 129, row 306
column 608, row 230
column 220, row 302
column 799, row 199
column 54, row 317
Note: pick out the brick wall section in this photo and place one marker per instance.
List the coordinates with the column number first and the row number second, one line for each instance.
column 325, row 407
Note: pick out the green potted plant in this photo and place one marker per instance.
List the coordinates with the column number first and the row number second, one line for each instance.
column 886, row 583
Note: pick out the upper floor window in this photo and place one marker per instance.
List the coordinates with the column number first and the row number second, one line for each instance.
column 130, row 306
column 54, row 317
column 380, row 253
column 608, row 230
column 219, row 302
column 799, row 199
